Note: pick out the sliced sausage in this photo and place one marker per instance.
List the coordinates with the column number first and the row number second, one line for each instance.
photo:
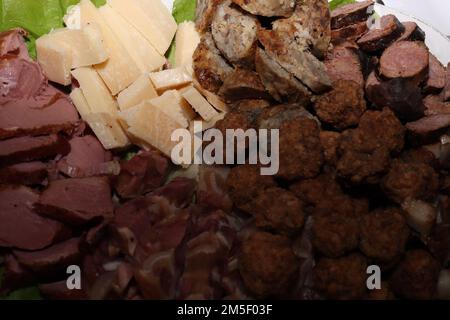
column 446, row 91
column 210, row 67
column 204, row 14
column 234, row 33
column 379, row 39
column 405, row 59
column 243, row 84
column 302, row 64
column 429, row 124
column 282, row 85
column 351, row 32
column 267, row 8
column 27, row 173
column 412, row 32
column 343, row 63
column 351, row 13
column 436, row 76
column 402, row 96
column 435, row 105
column 309, row 27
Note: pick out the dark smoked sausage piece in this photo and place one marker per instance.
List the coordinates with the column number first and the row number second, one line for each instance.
column 348, row 33
column 350, row 14
column 379, row 39
column 436, row 76
column 412, row 32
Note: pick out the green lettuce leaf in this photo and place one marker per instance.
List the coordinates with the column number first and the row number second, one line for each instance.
column 337, row 3
column 38, row 17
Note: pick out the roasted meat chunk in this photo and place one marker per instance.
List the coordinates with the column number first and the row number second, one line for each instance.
column 416, row 277
column 267, row 264
column 235, row 34
column 384, row 234
column 343, row 278
column 330, row 143
column 343, row 106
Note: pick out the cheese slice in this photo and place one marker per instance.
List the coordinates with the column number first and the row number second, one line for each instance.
column 199, row 103
column 153, row 126
column 173, row 104
column 80, row 102
column 170, row 79
column 55, row 60
column 144, row 55
column 107, row 130
column 120, row 70
column 186, row 40
column 151, row 18
column 142, row 89
column 212, row 98
column 97, row 95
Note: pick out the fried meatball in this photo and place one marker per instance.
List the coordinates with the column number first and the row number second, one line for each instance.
column 420, row 155
column 416, row 277
column 267, row 264
column 343, row 278
column 343, row 106
column 335, row 233
column 385, row 293
column 244, row 183
column 384, row 234
column 278, row 209
column 330, row 143
column 410, row 181
column 301, row 153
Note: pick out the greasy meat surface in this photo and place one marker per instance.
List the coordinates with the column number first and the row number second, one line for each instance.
column 267, row 8
column 210, row 67
column 410, row 181
column 267, row 264
column 234, row 33
column 343, row 106
column 343, row 278
column 416, row 277
column 384, row 234
column 279, row 210
column 282, row 85
column 301, row 153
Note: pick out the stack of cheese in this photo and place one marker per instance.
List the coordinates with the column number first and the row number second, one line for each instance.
column 116, row 54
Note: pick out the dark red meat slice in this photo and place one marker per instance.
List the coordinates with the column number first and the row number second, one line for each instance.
column 28, row 173
column 20, row 226
column 436, row 75
column 11, row 42
column 15, row 275
column 343, row 63
column 87, row 158
column 412, row 32
column 179, row 191
column 143, row 173
column 52, row 259
column 405, row 59
column 76, row 201
column 379, row 39
column 24, row 149
column 351, row 13
column 59, row 291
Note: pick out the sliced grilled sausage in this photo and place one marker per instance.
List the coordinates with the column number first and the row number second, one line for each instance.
column 282, row 85
column 267, row 8
column 351, row 13
column 405, row 59
column 434, row 105
column 343, row 63
column 210, row 67
column 204, row 14
column 379, row 39
column 302, row 64
column 436, row 75
column 243, row 84
column 235, row 34
column 412, row 32
column 309, row 26
column 348, row 33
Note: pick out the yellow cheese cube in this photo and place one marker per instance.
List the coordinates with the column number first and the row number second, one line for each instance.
column 173, row 104
column 199, row 103
column 170, row 79
column 142, row 89
column 107, row 130
column 55, row 60
column 80, row 102
column 186, row 40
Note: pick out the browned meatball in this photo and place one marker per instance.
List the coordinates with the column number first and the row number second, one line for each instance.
column 301, row 153
column 420, row 155
column 410, row 181
column 330, row 143
column 335, row 233
column 343, row 106
column 244, row 183
column 385, row 293
column 416, row 277
column 267, row 264
column 384, row 234
column 279, row 210
column 343, row 278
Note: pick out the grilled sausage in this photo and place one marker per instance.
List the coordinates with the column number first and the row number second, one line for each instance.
column 351, row 13
column 243, row 84
column 267, row 8
column 379, row 39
